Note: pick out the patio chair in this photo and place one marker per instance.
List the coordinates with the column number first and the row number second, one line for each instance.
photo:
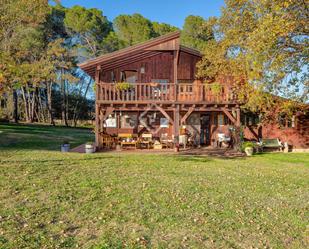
column 166, row 141
column 146, row 140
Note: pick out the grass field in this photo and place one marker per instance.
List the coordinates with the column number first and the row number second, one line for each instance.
column 54, row 200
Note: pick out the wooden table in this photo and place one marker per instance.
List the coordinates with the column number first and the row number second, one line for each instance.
column 134, row 143
column 147, row 143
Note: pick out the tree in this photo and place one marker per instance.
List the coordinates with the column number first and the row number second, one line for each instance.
column 133, row 29
column 162, row 28
column 17, row 19
column 264, row 46
column 20, row 13
column 88, row 27
column 37, row 58
column 112, row 43
column 197, row 32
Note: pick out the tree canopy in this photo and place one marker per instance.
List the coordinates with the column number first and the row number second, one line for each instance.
column 135, row 28
column 197, row 32
column 88, row 28
column 264, row 46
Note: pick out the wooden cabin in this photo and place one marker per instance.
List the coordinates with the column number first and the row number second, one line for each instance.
column 152, row 88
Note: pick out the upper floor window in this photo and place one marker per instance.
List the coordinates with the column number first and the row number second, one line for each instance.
column 113, row 78
column 286, row 121
column 130, row 76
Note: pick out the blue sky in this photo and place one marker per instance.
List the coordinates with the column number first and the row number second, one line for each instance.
column 169, row 11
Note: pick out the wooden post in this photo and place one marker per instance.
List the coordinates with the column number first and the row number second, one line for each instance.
column 176, row 58
column 238, row 117
column 176, row 126
column 97, row 107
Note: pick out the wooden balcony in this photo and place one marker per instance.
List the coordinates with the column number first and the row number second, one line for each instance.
column 165, row 93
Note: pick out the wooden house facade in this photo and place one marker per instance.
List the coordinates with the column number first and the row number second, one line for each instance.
column 152, row 88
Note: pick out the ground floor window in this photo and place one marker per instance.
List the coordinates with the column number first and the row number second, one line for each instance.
column 286, row 121
column 111, row 122
column 250, row 119
column 128, row 120
column 164, row 122
column 221, row 119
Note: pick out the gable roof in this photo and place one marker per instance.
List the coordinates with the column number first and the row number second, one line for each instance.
column 168, row 42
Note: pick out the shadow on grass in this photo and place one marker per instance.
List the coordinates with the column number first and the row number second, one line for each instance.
column 190, row 158
column 208, row 157
column 40, row 137
column 38, row 162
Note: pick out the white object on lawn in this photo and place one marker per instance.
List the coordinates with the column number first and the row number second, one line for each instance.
column 65, row 147
column 89, row 148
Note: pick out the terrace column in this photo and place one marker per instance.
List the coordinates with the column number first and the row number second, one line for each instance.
column 176, row 109
column 176, row 125
column 238, row 117
column 175, row 72
column 97, row 107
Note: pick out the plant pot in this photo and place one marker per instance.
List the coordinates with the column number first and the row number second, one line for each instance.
column 89, row 148
column 249, row 151
column 65, row 147
column 176, row 148
column 154, row 84
column 286, row 148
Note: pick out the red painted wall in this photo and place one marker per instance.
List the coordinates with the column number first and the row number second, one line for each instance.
column 297, row 136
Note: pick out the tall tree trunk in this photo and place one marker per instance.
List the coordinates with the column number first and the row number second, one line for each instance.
column 32, row 103
column 25, row 98
column 41, row 111
column 67, row 102
column 41, row 115
column 63, row 104
column 15, row 101
column 49, row 102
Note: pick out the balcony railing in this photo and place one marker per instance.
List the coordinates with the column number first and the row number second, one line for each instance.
column 161, row 93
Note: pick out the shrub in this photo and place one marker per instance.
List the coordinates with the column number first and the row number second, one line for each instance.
column 246, row 145
column 121, row 86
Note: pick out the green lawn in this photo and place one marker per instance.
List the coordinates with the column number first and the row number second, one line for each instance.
column 54, row 200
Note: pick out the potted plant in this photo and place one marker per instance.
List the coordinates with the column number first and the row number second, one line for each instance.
column 65, row 146
column 122, row 86
column 89, row 148
column 247, row 147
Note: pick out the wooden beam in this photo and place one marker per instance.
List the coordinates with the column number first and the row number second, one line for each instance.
column 108, row 111
column 164, row 113
column 184, row 118
column 175, row 70
column 97, row 107
column 178, row 56
column 229, row 115
column 253, row 132
column 238, row 123
column 144, row 123
column 176, row 125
